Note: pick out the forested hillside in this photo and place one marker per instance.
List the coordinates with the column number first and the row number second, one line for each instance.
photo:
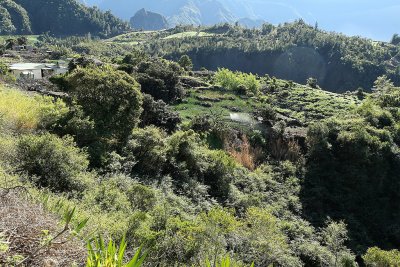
column 194, row 166
column 214, row 146
column 292, row 51
column 60, row 17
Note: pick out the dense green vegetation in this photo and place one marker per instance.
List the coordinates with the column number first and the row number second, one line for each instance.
column 292, row 51
column 25, row 16
column 202, row 168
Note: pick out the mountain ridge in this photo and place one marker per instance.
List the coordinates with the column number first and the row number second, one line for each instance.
column 349, row 17
column 149, row 21
column 27, row 17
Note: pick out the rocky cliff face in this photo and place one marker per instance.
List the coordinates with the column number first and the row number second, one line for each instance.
column 148, row 21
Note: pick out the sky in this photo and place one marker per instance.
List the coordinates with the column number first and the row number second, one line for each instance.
column 373, row 19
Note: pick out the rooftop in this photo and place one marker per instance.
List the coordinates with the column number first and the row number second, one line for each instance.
column 26, row 66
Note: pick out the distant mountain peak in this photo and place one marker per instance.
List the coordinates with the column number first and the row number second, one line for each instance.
column 149, row 21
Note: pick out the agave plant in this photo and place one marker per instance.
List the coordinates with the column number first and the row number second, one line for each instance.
column 111, row 256
column 225, row 262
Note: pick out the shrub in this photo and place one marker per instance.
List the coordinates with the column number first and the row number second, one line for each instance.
column 145, row 152
column 376, row 257
column 82, row 62
column 141, row 197
column 312, row 82
column 160, row 79
column 185, row 62
column 111, row 98
column 159, row 114
column 109, row 102
column 188, row 159
column 109, row 197
column 52, row 162
column 237, row 81
column 5, row 75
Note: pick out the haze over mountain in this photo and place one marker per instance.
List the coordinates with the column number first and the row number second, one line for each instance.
column 373, row 19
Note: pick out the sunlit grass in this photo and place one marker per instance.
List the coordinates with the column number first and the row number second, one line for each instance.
column 189, row 34
column 20, row 112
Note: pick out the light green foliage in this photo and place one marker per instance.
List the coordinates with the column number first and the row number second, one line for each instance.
column 188, row 34
column 4, row 244
column 108, row 196
column 335, row 236
column 111, row 255
column 382, row 84
column 220, row 226
column 307, row 104
column 5, row 75
column 21, row 113
column 376, row 257
column 225, row 262
column 235, row 80
column 375, row 115
column 265, row 240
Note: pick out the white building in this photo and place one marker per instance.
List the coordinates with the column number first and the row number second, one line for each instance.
column 36, row 71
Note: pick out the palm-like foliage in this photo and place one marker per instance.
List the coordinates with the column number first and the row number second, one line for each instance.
column 111, row 256
column 225, row 262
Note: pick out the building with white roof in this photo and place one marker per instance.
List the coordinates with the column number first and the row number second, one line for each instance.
column 36, row 71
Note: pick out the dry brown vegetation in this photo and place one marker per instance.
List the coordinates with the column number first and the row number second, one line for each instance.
column 244, row 153
column 25, row 227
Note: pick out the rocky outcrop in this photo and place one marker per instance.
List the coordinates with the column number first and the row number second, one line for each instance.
column 149, row 21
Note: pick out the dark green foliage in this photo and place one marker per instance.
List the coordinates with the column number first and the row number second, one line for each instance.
column 352, row 174
column 159, row 114
column 160, row 79
column 188, row 160
column 111, row 98
column 267, row 113
column 185, row 62
column 292, row 51
column 6, row 25
column 312, row 82
column 131, row 60
column 13, row 18
column 82, row 62
column 53, row 162
column 145, row 152
column 109, row 105
column 395, row 39
column 66, row 17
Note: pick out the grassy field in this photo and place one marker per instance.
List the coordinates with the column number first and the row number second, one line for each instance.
column 210, row 101
column 189, row 34
column 136, row 38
